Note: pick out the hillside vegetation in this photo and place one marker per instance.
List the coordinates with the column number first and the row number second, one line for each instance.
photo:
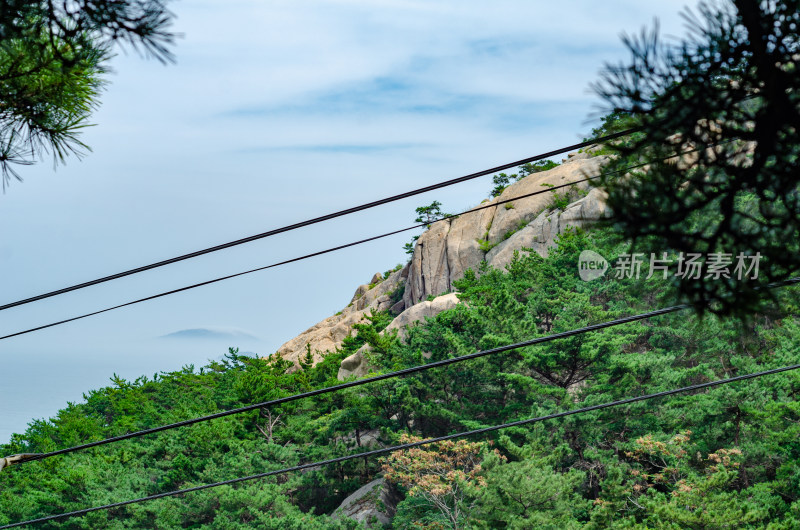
column 725, row 457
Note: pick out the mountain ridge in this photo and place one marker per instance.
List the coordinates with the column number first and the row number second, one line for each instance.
column 444, row 252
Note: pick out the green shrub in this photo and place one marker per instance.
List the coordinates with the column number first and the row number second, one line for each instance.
column 484, row 245
column 501, row 182
column 536, row 167
column 397, row 294
column 390, row 271
column 560, row 200
column 409, row 247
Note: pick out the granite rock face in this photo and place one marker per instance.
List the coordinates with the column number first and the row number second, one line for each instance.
column 373, row 504
column 429, row 270
column 328, row 334
column 526, row 209
column 463, row 249
column 540, row 234
column 448, row 248
column 451, row 247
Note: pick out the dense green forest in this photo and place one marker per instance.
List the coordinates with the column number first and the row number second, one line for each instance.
column 721, row 458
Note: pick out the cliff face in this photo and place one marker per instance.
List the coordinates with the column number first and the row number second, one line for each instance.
column 449, row 248
column 444, row 252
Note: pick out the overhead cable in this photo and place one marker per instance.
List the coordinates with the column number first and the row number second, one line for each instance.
column 316, row 220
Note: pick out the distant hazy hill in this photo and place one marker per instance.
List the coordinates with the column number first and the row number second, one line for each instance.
column 210, row 334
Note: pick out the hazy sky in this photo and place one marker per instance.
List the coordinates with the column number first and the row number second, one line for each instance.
column 278, row 111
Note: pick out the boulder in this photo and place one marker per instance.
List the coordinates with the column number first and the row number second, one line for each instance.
column 366, row 298
column 361, row 290
column 501, row 255
column 587, row 210
column 370, row 438
column 383, row 302
column 357, row 364
column 354, row 365
column 418, row 313
column 373, row 504
column 398, row 308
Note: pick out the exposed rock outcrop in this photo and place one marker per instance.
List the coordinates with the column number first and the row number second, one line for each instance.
column 527, row 209
column 356, row 364
column 431, row 271
column 450, row 247
column 328, row 334
column 463, row 249
column 418, row 312
column 540, row 235
column 373, row 504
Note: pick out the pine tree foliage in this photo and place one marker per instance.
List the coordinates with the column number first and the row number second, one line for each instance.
column 730, row 94
column 53, row 55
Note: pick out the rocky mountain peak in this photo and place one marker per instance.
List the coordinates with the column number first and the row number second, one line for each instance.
column 448, row 248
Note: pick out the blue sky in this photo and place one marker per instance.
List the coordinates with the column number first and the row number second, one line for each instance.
column 277, row 111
